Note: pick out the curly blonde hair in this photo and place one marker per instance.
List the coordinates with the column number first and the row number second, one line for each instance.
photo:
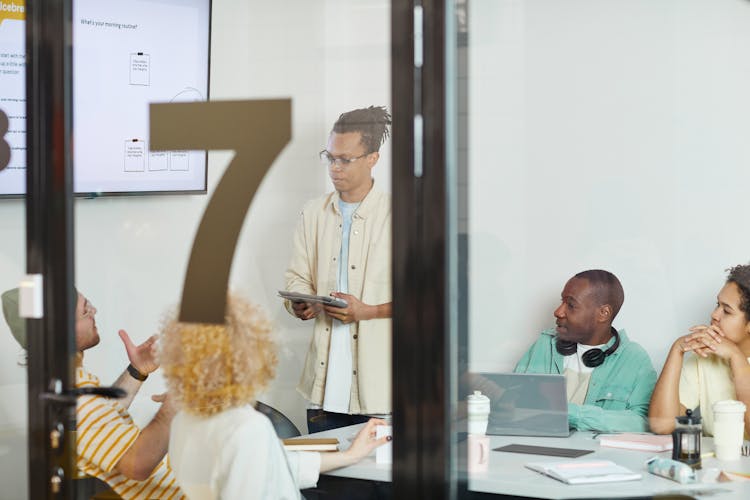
column 211, row 368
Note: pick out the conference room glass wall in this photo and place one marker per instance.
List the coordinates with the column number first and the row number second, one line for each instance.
column 532, row 140
column 327, row 57
column 13, row 380
column 592, row 135
column 130, row 253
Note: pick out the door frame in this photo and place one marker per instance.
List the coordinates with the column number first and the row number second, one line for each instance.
column 49, row 241
column 425, row 249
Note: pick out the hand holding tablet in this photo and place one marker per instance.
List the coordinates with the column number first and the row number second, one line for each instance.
column 319, row 299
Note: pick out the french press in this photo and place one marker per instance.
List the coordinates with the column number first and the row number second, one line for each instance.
column 686, row 440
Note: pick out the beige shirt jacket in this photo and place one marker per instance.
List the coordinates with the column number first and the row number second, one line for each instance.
column 313, row 269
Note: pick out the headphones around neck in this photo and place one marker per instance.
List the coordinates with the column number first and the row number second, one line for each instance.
column 591, row 358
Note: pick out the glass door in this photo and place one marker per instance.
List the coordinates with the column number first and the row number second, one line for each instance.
column 128, row 254
column 13, row 374
column 592, row 135
column 13, row 367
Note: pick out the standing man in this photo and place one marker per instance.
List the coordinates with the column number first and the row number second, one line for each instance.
column 609, row 378
column 342, row 247
column 109, row 445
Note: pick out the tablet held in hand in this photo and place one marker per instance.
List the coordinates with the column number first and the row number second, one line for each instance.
column 304, row 297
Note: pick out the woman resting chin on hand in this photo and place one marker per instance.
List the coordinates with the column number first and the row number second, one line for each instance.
column 710, row 363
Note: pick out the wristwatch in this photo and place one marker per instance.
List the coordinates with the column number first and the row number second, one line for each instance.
column 133, row 371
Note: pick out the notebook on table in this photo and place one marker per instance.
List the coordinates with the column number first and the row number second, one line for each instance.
column 633, row 441
column 525, row 404
column 594, row 471
column 311, row 444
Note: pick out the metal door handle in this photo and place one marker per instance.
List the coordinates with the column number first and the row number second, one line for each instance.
column 57, row 395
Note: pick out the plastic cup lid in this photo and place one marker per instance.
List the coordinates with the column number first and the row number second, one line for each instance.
column 478, row 396
column 729, row 406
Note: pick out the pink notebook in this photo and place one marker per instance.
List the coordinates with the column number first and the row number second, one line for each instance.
column 631, row 441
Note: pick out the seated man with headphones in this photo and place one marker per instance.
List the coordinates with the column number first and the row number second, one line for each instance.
column 609, row 378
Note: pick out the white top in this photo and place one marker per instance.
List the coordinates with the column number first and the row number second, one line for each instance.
column 339, row 376
column 577, row 374
column 236, row 454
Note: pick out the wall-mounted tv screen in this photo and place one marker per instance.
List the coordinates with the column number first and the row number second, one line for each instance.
column 126, row 54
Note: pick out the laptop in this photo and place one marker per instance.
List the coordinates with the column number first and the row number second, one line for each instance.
column 525, row 404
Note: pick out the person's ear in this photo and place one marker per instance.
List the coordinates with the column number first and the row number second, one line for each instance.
column 605, row 313
column 373, row 158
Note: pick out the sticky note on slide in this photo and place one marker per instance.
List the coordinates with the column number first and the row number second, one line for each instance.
column 135, row 155
column 158, row 160
column 140, row 69
column 179, row 160
column 384, row 454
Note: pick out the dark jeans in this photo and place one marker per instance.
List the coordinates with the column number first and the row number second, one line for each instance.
column 321, row 420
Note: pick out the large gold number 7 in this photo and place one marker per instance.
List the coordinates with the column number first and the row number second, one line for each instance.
column 256, row 131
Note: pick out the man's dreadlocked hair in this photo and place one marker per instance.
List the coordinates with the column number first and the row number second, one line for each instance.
column 371, row 122
column 740, row 276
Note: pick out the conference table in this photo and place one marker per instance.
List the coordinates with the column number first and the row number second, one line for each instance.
column 506, row 474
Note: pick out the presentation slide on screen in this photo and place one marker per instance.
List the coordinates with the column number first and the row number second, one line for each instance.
column 126, row 54
column 13, row 93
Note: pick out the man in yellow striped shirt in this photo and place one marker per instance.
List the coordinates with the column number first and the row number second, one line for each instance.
column 110, row 446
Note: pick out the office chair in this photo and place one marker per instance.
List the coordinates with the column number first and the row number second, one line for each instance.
column 283, row 426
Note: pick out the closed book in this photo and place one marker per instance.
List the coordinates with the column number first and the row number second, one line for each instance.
column 592, row 471
column 644, row 442
column 311, row 444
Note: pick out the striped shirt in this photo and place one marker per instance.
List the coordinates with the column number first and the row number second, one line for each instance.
column 105, row 432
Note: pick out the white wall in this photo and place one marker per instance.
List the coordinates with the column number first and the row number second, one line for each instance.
column 329, row 56
column 358, row 65
column 604, row 134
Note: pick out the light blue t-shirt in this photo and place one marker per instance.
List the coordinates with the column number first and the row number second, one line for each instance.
column 347, row 211
column 339, row 373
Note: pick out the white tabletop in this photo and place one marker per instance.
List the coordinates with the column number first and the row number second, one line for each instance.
column 507, row 475
column 366, row 468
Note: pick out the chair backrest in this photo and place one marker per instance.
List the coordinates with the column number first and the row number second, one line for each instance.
column 283, row 426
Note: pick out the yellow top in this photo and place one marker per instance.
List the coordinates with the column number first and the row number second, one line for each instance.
column 703, row 382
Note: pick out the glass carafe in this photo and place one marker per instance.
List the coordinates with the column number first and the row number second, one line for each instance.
column 686, row 440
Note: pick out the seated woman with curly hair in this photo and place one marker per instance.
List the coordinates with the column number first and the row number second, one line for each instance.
column 709, row 364
column 220, row 446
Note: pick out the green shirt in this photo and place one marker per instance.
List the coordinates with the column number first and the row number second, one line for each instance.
column 619, row 390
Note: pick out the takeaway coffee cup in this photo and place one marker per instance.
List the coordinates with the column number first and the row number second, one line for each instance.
column 479, row 412
column 384, row 453
column 729, row 429
column 479, row 453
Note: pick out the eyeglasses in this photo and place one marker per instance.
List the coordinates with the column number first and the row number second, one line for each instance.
column 328, row 159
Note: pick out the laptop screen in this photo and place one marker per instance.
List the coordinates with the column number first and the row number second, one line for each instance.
column 524, row 404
